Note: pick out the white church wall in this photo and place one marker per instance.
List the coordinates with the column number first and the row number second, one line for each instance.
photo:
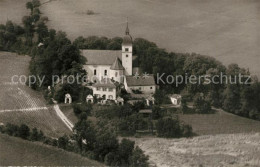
column 100, row 71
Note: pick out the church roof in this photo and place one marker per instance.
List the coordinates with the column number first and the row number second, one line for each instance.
column 127, row 40
column 117, row 65
column 101, row 57
column 140, row 81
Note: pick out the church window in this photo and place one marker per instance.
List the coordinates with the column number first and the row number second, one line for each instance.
column 105, row 72
column 126, row 49
column 95, row 72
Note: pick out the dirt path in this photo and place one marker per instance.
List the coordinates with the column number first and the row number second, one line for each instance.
column 66, row 121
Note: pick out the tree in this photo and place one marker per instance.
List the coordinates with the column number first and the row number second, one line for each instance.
column 125, row 150
column 106, row 142
column 29, row 5
column 156, row 112
column 24, row 131
column 85, row 132
column 184, row 108
column 63, row 142
column 201, row 105
column 169, row 128
column 34, row 135
column 138, row 158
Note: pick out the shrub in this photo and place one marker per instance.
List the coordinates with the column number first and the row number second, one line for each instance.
column 138, row 158
column 24, row 131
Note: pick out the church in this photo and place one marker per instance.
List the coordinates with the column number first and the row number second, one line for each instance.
column 117, row 66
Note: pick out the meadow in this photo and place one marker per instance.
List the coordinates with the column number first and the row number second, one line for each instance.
column 17, row 152
column 226, row 30
column 233, row 150
column 20, row 104
column 220, row 122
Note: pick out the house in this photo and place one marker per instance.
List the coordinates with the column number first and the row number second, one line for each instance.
column 175, row 99
column 145, row 84
column 104, row 89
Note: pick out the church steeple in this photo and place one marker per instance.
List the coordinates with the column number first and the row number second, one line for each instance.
column 127, row 29
column 127, row 52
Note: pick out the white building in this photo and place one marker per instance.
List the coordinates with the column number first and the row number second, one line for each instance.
column 110, row 64
column 175, row 99
column 105, row 90
column 116, row 66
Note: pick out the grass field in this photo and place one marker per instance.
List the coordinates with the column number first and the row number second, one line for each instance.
column 233, row 150
column 45, row 120
column 224, row 29
column 20, row 104
column 15, row 151
column 220, row 123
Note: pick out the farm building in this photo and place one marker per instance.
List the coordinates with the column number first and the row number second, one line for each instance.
column 145, row 84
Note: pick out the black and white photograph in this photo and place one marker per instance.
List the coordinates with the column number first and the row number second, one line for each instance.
column 130, row 83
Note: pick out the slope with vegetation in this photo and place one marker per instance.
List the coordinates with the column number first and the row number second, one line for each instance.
column 18, row 152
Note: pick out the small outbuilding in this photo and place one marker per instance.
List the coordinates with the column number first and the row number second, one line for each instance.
column 175, row 99
column 90, row 99
column 68, row 98
column 120, row 101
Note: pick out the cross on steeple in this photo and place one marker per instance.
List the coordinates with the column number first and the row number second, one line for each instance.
column 127, row 29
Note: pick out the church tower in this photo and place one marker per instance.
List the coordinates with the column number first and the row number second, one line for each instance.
column 127, row 52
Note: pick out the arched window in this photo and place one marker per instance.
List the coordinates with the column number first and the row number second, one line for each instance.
column 95, row 72
column 105, row 72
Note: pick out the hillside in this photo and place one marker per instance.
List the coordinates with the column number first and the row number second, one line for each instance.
column 226, row 30
column 233, row 150
column 15, row 151
column 20, row 104
column 220, row 123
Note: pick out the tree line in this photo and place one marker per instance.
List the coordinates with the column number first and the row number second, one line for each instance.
column 100, row 145
column 240, row 99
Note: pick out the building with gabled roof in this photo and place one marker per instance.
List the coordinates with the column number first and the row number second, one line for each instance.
column 145, row 84
column 113, row 64
column 117, row 66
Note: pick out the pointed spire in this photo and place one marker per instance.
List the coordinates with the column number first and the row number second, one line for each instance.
column 127, row 29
